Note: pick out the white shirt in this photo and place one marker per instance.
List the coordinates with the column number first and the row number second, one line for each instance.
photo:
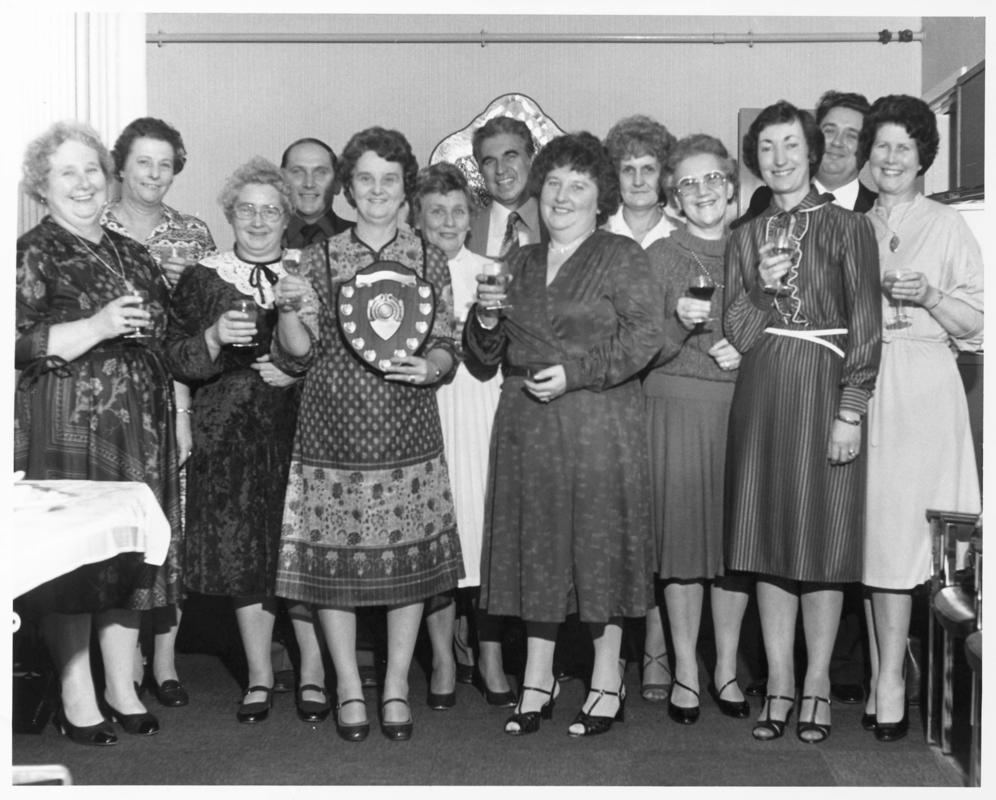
column 617, row 224
column 845, row 196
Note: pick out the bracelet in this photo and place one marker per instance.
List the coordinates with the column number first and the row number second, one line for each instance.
column 184, row 411
column 940, row 296
column 847, row 421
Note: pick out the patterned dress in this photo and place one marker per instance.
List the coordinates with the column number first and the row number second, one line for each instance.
column 242, row 429
column 567, row 519
column 790, row 513
column 919, row 390
column 688, row 409
column 184, row 233
column 368, row 518
column 105, row 415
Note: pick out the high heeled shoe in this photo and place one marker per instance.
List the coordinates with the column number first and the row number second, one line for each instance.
column 396, row 731
column 99, row 735
column 141, row 724
column 499, row 699
column 894, row 731
column 812, row 726
column 170, row 693
column 588, row 724
column 654, row 692
column 767, row 729
column 868, row 721
column 465, row 673
column 732, row 708
column 354, row 731
column 523, row 722
column 312, row 710
column 258, row 711
column 681, row 714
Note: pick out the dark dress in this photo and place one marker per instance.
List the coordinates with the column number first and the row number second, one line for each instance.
column 790, row 513
column 567, row 516
column 242, row 432
column 104, row 416
column 368, row 518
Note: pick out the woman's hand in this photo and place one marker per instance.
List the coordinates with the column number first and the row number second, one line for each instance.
column 772, row 267
column 548, row 383
column 120, row 316
column 692, row 312
column 173, row 267
column 289, row 292
column 913, row 287
column 413, row 369
column 272, row 375
column 845, row 442
column 725, row 355
column 232, row 327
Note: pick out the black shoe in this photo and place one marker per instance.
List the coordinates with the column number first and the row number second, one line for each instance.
column 255, row 712
column 283, row 681
column 99, row 735
column 171, row 694
column 465, row 673
column 868, row 721
column 893, row 731
column 758, row 688
column 732, row 708
column 812, row 726
column 767, row 729
column 680, row 714
column 849, row 693
column 312, row 710
column 499, row 699
column 588, row 724
column 529, row 721
column 396, row 731
column 141, row 724
column 355, row 732
column 441, row 702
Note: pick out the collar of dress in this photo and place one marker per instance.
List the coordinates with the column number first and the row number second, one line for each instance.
column 232, row 269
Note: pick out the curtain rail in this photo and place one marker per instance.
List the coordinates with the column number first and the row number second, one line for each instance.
column 485, row 38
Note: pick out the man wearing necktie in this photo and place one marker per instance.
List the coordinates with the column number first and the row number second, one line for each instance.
column 504, row 148
column 309, row 167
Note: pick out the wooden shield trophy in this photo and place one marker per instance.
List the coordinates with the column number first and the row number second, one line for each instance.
column 386, row 311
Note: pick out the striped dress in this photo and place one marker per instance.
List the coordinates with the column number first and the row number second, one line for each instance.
column 790, row 513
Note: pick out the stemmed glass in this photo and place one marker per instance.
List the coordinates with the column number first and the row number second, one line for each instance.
column 900, row 319
column 301, row 269
column 496, row 274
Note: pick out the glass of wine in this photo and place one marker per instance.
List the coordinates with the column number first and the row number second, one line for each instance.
column 301, row 269
column 781, row 245
column 496, row 274
column 701, row 287
column 142, row 303
column 900, row 319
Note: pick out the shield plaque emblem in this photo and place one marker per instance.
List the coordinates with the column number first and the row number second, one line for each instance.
column 386, row 311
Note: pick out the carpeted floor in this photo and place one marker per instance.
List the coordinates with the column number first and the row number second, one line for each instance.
column 202, row 744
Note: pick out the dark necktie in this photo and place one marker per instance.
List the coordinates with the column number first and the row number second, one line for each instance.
column 511, row 237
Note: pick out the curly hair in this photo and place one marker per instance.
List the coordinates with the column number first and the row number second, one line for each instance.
column 388, row 144
column 909, row 112
column 497, row 126
column 580, row 152
column 699, row 144
column 777, row 114
column 441, row 178
column 150, row 128
column 37, row 156
column 637, row 136
column 257, row 170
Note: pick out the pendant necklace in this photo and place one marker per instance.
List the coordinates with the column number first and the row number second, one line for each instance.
column 895, row 240
column 560, row 249
column 119, row 273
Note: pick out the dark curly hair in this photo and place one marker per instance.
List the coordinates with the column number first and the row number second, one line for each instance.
column 149, row 128
column 777, row 114
column 580, row 152
column 909, row 112
column 388, row 144
column 637, row 136
column 834, row 99
column 441, row 178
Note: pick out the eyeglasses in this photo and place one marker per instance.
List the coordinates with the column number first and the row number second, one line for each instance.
column 689, row 185
column 249, row 211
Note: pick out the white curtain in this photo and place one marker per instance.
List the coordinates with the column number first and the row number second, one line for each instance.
column 84, row 66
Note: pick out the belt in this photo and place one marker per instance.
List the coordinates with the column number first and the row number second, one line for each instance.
column 812, row 336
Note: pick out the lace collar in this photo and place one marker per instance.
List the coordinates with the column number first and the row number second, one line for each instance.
column 255, row 280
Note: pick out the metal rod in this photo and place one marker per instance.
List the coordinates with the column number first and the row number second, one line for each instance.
column 484, row 38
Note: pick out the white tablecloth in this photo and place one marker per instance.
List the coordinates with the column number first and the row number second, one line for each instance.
column 61, row 525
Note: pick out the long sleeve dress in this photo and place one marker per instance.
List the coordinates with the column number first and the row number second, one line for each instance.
column 567, row 516
column 368, row 517
column 242, row 430
column 107, row 415
column 688, row 408
column 790, row 513
column 920, row 451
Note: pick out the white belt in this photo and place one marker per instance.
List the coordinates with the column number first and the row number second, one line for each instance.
column 812, row 336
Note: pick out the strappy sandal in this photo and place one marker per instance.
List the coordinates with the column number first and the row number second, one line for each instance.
column 767, row 729
column 655, row 692
column 588, row 724
column 523, row 722
column 812, row 726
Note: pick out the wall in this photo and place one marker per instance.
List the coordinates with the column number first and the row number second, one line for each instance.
column 951, row 43
column 231, row 101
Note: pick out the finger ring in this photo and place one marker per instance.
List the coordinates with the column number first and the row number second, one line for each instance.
column 412, row 379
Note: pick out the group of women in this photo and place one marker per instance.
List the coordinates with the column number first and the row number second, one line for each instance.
column 644, row 400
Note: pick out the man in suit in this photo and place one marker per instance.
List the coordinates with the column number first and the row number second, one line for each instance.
column 840, row 116
column 309, row 167
column 504, row 148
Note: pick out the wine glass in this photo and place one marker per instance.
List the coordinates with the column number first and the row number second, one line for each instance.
column 143, row 305
column 701, row 287
column 496, row 274
column 781, row 245
column 900, row 319
column 245, row 305
column 301, row 269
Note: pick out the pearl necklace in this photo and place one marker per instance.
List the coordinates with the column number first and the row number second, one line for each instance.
column 561, row 249
column 119, row 273
column 705, row 272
